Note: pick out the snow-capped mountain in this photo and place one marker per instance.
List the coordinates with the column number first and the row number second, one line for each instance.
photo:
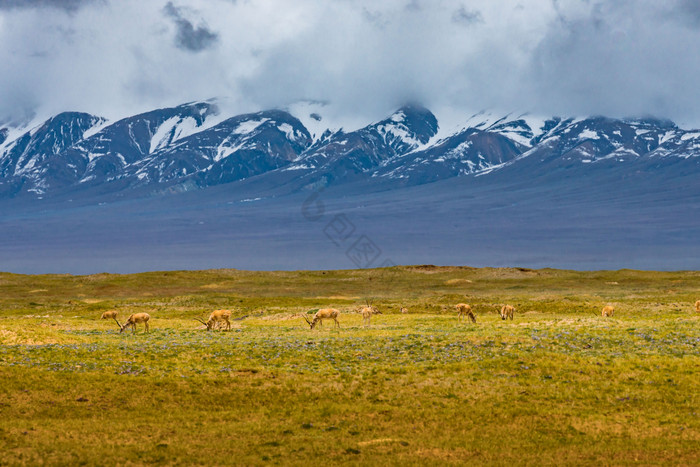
column 195, row 146
column 235, row 149
column 27, row 160
column 341, row 157
column 108, row 153
column 468, row 152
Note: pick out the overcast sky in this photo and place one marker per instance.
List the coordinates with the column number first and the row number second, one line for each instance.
column 551, row 57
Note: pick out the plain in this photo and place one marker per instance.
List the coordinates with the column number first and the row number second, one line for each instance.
column 558, row 384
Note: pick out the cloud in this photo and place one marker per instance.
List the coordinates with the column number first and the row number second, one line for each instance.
column 188, row 37
column 414, row 5
column 67, row 5
column 689, row 12
column 467, row 17
column 565, row 57
column 599, row 60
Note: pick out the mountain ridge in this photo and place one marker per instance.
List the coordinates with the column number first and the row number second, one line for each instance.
column 195, row 146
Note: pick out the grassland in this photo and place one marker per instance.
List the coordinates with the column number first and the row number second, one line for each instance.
column 558, row 385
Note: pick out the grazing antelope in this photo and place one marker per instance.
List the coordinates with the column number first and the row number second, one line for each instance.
column 697, row 306
column 133, row 320
column 111, row 314
column 507, row 312
column 323, row 313
column 367, row 312
column 216, row 317
column 404, row 310
column 608, row 310
column 466, row 310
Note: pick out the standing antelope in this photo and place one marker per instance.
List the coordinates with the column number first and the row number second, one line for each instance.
column 507, row 312
column 367, row 312
column 216, row 317
column 323, row 313
column 465, row 310
column 697, row 306
column 133, row 319
column 608, row 310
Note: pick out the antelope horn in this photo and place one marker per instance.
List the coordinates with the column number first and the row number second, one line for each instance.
column 201, row 321
column 120, row 326
column 306, row 319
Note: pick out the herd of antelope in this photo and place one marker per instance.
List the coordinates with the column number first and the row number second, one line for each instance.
column 219, row 318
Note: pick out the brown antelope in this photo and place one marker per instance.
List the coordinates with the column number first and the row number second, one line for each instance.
column 404, row 310
column 697, row 306
column 323, row 313
column 133, row 320
column 465, row 310
column 111, row 314
column 367, row 312
column 608, row 310
column 216, row 317
column 507, row 312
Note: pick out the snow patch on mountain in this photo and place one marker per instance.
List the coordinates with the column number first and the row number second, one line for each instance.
column 97, row 128
column 669, row 135
column 13, row 133
column 398, row 132
column 225, row 149
column 289, row 131
column 298, row 167
column 248, row 126
column 691, row 135
column 172, row 130
column 588, row 134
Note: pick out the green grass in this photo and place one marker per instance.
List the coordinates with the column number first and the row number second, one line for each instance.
column 559, row 384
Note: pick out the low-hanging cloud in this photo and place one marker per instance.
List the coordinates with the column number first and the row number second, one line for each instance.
column 563, row 57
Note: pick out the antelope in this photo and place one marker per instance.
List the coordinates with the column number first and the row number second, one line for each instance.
column 323, row 313
column 367, row 312
column 111, row 314
column 133, row 320
column 697, row 306
column 216, row 317
column 608, row 310
column 404, row 310
column 507, row 312
column 466, row 310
